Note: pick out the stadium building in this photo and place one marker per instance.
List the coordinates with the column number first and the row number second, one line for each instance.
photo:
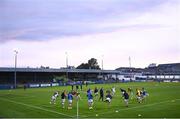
column 42, row 77
column 60, row 76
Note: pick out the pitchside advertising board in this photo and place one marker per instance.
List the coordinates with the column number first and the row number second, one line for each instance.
column 2, row 86
column 43, row 85
column 6, row 86
column 55, row 84
column 34, row 85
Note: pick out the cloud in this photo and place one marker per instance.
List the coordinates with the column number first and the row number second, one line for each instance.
column 144, row 47
column 148, row 34
column 33, row 20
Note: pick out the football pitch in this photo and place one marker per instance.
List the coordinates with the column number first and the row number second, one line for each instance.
column 163, row 102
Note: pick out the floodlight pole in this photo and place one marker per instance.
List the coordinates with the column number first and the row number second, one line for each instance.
column 129, row 62
column 130, row 68
column 102, row 66
column 16, row 52
column 102, row 62
column 66, row 65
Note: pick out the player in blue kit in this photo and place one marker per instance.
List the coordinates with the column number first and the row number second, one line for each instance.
column 70, row 99
column 89, row 90
column 144, row 94
column 90, row 99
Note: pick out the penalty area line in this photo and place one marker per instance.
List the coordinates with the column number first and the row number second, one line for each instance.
column 147, row 105
column 35, row 107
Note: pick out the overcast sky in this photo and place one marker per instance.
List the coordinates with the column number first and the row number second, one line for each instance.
column 43, row 30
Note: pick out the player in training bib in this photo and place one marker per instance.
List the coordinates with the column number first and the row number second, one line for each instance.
column 139, row 95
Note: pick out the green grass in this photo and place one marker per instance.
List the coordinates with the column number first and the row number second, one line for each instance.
column 163, row 102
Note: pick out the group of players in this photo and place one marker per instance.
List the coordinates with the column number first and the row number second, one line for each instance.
column 141, row 95
column 70, row 96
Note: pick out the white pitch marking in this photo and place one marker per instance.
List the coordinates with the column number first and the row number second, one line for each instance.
column 32, row 106
column 140, row 106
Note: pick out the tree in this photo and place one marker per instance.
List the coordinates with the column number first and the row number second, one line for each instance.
column 83, row 66
column 92, row 64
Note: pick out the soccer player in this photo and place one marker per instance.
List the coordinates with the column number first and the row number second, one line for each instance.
column 144, row 94
column 78, row 97
column 113, row 91
column 88, row 90
column 90, row 99
column 130, row 91
column 86, row 83
column 63, row 98
column 73, row 92
column 108, row 98
column 126, row 98
column 70, row 99
column 122, row 91
column 139, row 96
column 25, row 86
column 72, row 86
column 96, row 92
column 77, row 87
column 76, row 94
column 101, row 94
column 53, row 98
column 81, row 85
